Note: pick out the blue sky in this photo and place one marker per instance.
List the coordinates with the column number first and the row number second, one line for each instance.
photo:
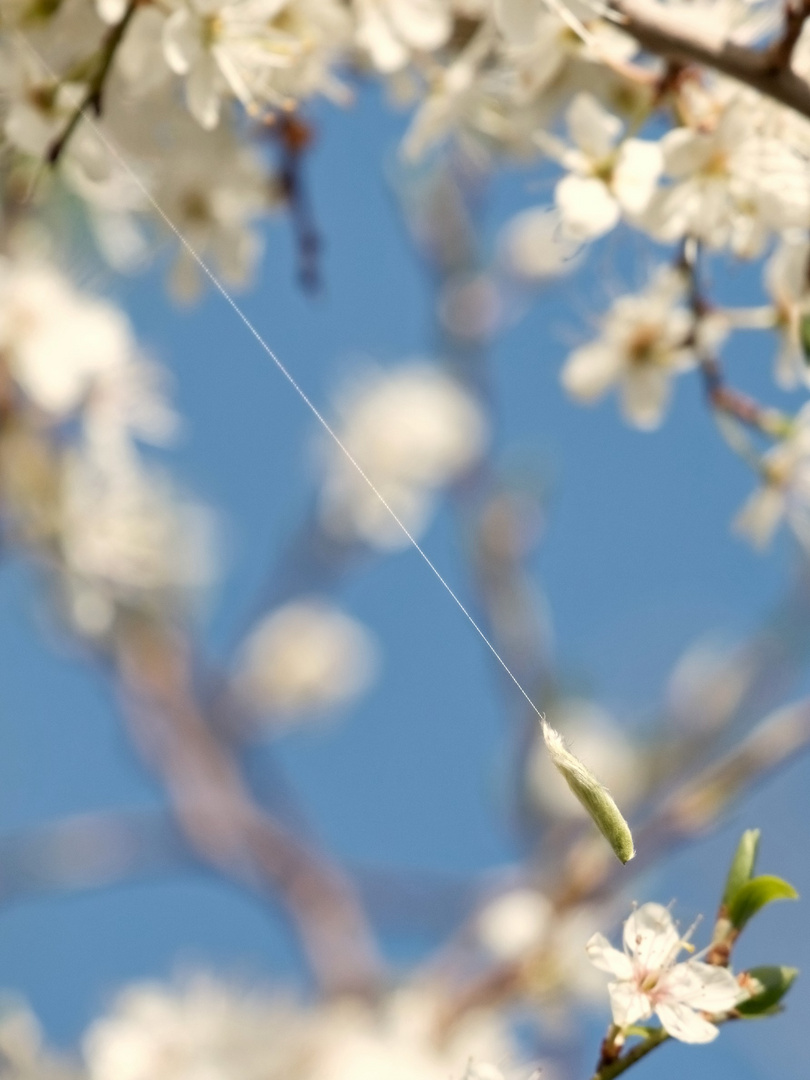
column 638, row 561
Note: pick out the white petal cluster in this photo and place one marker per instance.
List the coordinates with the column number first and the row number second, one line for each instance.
column 83, row 398
column 607, row 175
column 127, row 541
column 412, row 430
column 647, row 979
column 207, row 1029
column 24, row 1056
column 646, row 339
column 784, row 490
column 306, row 655
column 58, row 345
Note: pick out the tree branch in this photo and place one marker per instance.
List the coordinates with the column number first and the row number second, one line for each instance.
column 615, row 1068
column 224, row 826
column 767, row 71
column 93, row 98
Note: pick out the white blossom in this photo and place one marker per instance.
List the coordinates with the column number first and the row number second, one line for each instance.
column 784, row 489
column 306, row 655
column 514, row 922
column 787, row 278
column 126, row 540
column 645, row 341
column 732, row 178
column 239, row 47
column 392, row 29
column 607, row 175
column 412, row 430
column 648, row 980
column 57, row 343
column 207, row 1029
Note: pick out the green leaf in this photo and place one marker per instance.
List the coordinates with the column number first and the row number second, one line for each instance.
column 804, row 337
column 775, row 983
column 755, row 894
column 742, row 865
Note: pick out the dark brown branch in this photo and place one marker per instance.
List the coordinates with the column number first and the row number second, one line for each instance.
column 93, row 99
column 766, row 71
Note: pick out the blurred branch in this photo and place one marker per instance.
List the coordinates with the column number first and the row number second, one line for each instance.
column 88, row 851
column 222, row 823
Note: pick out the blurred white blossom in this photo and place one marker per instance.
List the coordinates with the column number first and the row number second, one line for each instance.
column 208, row 1029
column 58, row 344
column 127, row 541
column 784, row 489
column 412, row 430
column 306, row 655
column 645, row 341
column 607, row 175
column 787, row 278
column 514, row 922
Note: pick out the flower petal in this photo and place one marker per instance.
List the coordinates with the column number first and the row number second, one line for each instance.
column 651, row 936
column 590, row 371
column 603, row 956
column 628, row 1004
column 645, row 395
column 591, row 127
column 684, row 1023
column 587, row 207
column 703, row 986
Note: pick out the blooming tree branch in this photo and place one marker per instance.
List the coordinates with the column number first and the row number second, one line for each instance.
column 767, row 71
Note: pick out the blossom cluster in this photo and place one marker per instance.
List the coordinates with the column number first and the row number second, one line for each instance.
column 686, row 156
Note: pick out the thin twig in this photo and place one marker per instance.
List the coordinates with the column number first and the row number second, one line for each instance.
column 636, row 1053
column 763, row 70
column 94, row 95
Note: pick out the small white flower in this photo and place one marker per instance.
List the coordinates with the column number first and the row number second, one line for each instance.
column 784, row 491
column 412, row 431
column 514, row 922
column 648, row 980
column 787, row 278
column 645, row 341
column 391, row 29
column 57, row 343
column 223, row 46
column 305, row 656
column 606, row 176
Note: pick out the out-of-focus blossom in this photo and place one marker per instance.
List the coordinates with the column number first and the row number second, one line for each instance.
column 784, row 490
column 21, row 1046
column 648, row 980
column 56, row 343
column 535, row 246
column 513, row 923
column 392, row 29
column 209, row 1029
column 126, row 542
column 787, row 278
column 645, row 341
column 607, row 175
column 411, row 430
column 306, row 655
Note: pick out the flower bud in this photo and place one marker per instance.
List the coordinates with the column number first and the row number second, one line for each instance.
column 594, row 797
